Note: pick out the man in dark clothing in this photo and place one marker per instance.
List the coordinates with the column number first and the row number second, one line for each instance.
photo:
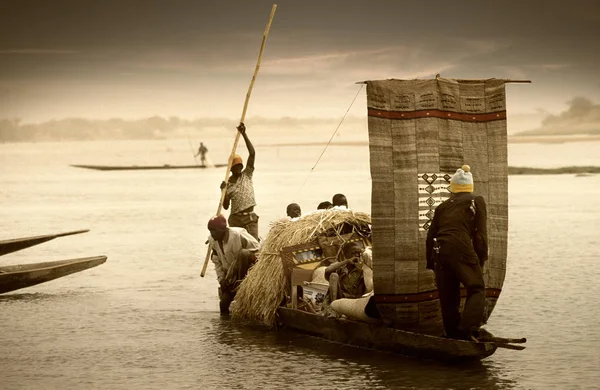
column 456, row 251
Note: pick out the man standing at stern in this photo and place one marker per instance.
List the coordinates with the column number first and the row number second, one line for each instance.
column 456, row 251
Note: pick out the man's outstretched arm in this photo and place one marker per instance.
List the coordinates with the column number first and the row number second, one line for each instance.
column 251, row 152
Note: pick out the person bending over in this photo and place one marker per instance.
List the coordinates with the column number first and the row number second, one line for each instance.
column 233, row 253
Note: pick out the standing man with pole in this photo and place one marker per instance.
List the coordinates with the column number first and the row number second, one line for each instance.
column 232, row 156
column 202, row 153
column 240, row 190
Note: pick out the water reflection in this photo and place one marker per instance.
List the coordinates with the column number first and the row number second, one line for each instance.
column 35, row 297
column 293, row 359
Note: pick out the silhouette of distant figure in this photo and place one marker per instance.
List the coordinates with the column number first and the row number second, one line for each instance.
column 293, row 210
column 202, row 153
column 324, row 205
column 339, row 200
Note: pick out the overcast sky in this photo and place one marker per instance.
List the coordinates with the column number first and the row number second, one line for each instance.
column 193, row 58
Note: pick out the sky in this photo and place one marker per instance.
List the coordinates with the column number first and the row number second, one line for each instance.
column 101, row 59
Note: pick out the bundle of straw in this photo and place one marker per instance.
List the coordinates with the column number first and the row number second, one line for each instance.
column 265, row 286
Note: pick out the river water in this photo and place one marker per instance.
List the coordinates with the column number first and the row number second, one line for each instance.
column 146, row 320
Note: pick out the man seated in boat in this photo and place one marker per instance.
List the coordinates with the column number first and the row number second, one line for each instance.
column 347, row 277
column 293, row 210
column 240, row 190
column 326, row 205
column 339, row 200
column 233, row 253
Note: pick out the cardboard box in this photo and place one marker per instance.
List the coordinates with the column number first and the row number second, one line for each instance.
column 315, row 292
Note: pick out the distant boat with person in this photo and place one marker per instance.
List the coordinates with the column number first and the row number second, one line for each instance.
column 202, row 151
column 144, row 167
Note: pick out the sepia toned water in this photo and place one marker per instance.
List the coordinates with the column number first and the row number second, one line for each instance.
column 146, row 320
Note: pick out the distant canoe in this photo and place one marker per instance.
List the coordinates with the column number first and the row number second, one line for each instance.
column 145, row 167
column 15, row 277
column 16, row 244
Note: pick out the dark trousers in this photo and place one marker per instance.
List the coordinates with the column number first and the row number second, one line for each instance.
column 450, row 271
column 248, row 221
column 234, row 277
column 226, row 296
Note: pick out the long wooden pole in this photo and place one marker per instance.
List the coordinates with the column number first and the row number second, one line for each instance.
column 237, row 136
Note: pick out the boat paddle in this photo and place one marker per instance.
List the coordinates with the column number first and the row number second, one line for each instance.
column 237, row 136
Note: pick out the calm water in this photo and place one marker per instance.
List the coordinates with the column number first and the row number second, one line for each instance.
column 146, row 320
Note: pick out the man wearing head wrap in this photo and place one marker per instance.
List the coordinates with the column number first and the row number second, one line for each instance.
column 240, row 190
column 233, row 252
column 456, row 251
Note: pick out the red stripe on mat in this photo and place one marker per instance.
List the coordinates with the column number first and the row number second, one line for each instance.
column 465, row 117
column 426, row 296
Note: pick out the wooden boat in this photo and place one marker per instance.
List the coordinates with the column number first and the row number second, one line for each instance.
column 14, row 277
column 16, row 244
column 145, row 167
column 387, row 339
column 420, row 132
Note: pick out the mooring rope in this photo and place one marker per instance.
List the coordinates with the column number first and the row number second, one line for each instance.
column 330, row 139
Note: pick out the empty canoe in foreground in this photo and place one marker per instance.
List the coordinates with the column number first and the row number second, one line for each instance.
column 145, row 167
column 14, row 277
column 16, row 244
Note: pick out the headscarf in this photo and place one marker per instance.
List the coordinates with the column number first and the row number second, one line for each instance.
column 217, row 223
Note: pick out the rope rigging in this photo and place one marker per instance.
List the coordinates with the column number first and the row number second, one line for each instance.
column 330, row 139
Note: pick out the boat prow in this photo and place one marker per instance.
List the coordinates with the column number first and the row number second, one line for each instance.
column 16, row 244
column 15, row 277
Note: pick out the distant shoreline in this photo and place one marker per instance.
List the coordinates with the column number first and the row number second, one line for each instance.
column 551, row 139
column 584, row 170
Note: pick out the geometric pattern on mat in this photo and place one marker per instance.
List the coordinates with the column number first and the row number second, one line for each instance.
column 433, row 188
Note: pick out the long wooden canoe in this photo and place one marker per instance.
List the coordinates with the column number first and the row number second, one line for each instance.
column 16, row 244
column 145, row 167
column 14, row 277
column 386, row 339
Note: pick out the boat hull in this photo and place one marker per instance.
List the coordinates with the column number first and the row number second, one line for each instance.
column 16, row 244
column 15, row 277
column 145, row 167
column 382, row 338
